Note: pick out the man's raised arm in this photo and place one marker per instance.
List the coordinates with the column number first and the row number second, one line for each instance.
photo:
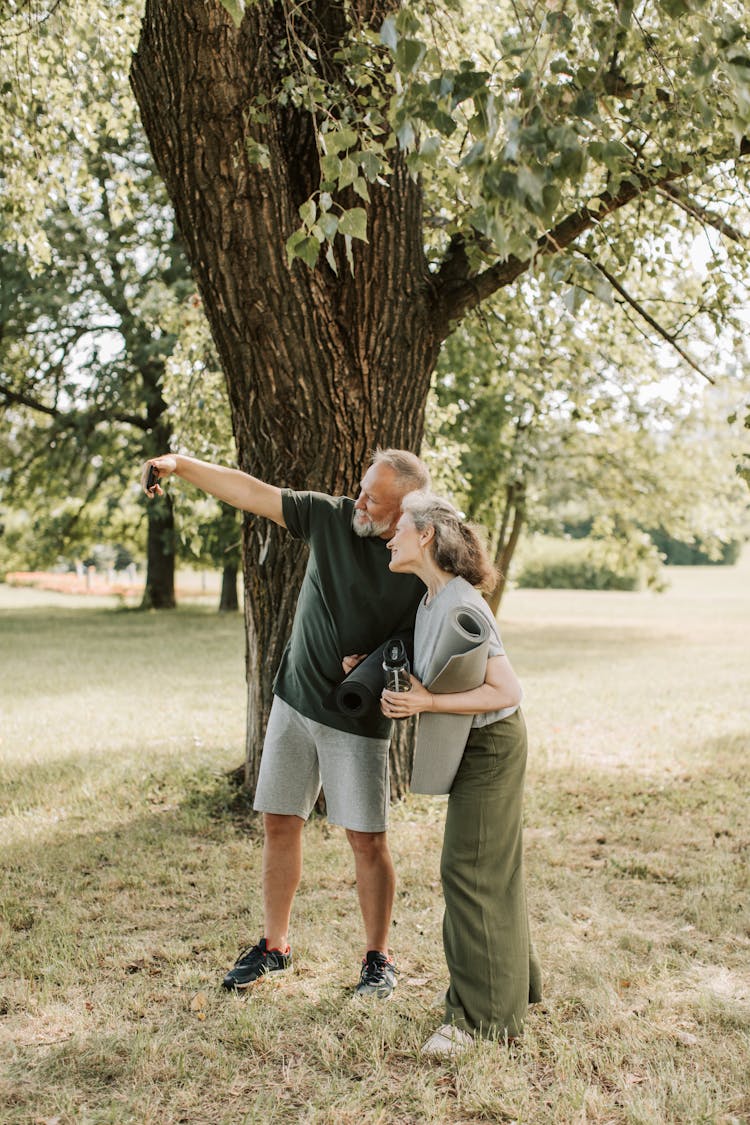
column 230, row 485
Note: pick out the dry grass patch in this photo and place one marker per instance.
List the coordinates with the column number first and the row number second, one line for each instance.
column 131, row 880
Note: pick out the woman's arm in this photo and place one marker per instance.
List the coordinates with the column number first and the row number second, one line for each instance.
column 500, row 689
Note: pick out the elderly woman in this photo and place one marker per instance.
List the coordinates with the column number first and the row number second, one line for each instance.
column 494, row 973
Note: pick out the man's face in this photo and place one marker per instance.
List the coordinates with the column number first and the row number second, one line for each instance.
column 378, row 505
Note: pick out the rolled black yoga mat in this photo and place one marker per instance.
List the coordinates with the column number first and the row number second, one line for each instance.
column 360, row 692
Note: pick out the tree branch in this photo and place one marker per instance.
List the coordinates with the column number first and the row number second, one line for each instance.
column 68, row 419
column 698, row 211
column 638, row 308
column 457, row 297
column 19, row 399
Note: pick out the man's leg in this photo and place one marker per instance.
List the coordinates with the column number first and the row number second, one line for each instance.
column 282, row 870
column 376, row 884
column 288, row 781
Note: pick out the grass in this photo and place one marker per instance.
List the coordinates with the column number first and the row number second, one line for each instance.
column 131, row 879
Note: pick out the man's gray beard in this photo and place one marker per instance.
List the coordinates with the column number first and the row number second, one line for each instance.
column 370, row 529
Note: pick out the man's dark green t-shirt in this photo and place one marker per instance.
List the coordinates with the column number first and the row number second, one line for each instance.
column 349, row 602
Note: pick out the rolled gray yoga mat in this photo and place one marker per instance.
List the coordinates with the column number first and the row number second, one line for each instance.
column 459, row 663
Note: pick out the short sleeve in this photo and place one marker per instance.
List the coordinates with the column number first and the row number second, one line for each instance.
column 300, row 510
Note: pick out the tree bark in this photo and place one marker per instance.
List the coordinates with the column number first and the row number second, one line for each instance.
column 320, row 367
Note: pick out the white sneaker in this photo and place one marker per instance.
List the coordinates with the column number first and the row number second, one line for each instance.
column 447, row 1040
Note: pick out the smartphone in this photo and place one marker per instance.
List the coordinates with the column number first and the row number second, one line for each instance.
column 152, row 478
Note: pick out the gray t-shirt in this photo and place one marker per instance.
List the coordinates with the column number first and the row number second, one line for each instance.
column 431, row 616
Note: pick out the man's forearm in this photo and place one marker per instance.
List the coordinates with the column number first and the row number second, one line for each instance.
column 233, row 487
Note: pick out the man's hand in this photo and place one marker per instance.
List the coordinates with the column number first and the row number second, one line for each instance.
column 349, row 663
column 164, row 467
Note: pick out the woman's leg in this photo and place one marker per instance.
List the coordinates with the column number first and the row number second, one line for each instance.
column 485, row 928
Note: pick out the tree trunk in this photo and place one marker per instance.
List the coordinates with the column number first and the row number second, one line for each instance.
column 160, row 556
column 321, row 367
column 515, row 515
column 228, row 602
column 161, row 546
column 401, row 756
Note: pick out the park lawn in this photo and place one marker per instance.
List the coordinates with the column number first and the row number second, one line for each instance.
column 131, row 880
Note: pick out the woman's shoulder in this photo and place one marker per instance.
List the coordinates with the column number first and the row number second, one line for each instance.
column 463, row 593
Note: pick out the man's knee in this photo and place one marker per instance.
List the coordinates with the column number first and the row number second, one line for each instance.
column 368, row 845
column 280, row 826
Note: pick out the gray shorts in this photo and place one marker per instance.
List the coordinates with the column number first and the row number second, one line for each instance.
column 300, row 755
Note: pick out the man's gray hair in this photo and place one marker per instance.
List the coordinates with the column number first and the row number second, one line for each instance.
column 410, row 471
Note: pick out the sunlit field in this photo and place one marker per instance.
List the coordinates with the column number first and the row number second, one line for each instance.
column 131, row 880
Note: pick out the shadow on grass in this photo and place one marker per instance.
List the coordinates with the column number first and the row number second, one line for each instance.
column 109, row 932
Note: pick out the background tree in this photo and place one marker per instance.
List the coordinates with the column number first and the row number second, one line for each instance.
column 92, row 269
column 199, row 416
column 83, row 353
column 100, row 326
column 555, row 416
column 433, row 157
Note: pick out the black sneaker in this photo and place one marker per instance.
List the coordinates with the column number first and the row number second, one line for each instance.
column 254, row 964
column 378, row 977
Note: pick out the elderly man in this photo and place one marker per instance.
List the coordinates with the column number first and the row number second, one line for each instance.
column 349, row 603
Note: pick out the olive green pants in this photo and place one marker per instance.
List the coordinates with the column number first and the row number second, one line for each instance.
column 494, row 972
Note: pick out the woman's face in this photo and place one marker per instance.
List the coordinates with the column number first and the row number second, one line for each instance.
column 405, row 546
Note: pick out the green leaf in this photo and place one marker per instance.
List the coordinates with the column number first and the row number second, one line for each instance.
column 585, row 104
column 388, row 33
column 307, row 212
column 348, row 173
column 474, row 155
column 531, row 183
column 575, row 299
column 443, row 122
column 308, row 250
column 409, row 55
column 371, row 164
column 236, row 9
column 328, row 224
column 406, row 135
column 258, row 153
column 301, row 245
column 466, row 84
column 330, row 167
column 429, row 149
column 331, row 259
column 340, row 140
column 349, row 254
column 550, row 199
column 354, row 223
column 360, row 187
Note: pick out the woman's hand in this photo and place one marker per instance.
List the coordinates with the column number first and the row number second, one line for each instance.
column 402, row 704
column 349, row 663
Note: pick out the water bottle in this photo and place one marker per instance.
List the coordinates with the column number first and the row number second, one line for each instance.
column 396, row 666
